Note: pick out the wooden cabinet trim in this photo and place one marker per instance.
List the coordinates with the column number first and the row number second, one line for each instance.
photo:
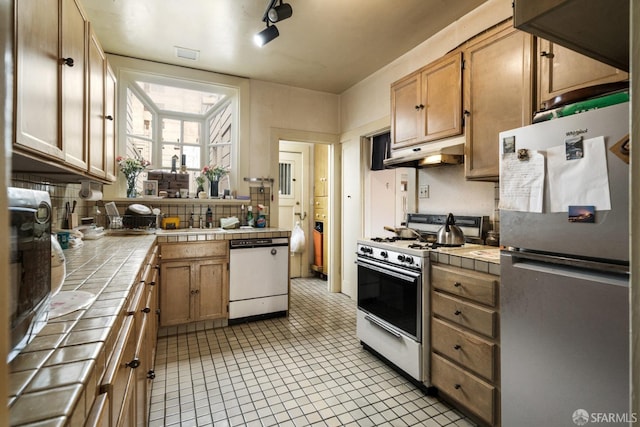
column 194, row 250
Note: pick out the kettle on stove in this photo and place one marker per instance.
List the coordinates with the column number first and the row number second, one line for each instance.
column 450, row 234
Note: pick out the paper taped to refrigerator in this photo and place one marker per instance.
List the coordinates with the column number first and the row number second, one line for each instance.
column 583, row 181
column 522, row 182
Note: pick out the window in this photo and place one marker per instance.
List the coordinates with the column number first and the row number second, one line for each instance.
column 171, row 121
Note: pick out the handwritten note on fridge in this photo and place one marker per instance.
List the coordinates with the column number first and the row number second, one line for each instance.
column 522, row 182
column 583, row 181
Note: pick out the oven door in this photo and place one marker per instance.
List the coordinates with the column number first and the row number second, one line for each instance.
column 391, row 294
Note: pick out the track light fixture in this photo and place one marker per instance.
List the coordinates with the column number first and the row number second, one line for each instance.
column 266, row 35
column 272, row 15
column 280, row 12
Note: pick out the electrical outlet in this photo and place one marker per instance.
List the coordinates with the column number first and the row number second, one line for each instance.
column 423, row 192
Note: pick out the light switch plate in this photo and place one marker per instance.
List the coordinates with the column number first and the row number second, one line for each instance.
column 423, row 192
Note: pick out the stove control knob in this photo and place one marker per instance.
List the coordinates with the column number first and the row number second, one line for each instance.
column 408, row 259
column 401, row 258
column 367, row 250
column 384, row 254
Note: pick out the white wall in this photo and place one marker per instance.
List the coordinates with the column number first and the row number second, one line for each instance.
column 449, row 191
column 276, row 106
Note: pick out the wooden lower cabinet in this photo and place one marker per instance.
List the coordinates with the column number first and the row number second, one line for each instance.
column 126, row 384
column 117, row 381
column 465, row 340
column 195, row 282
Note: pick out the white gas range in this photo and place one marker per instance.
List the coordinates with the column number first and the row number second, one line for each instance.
column 393, row 293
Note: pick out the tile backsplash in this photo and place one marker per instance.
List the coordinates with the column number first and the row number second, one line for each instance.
column 61, row 193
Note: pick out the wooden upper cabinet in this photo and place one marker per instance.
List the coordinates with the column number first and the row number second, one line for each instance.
column 498, row 77
column 97, row 70
column 405, row 111
column 110, row 145
column 74, row 39
column 37, row 71
column 442, row 98
column 61, row 95
column 561, row 70
column 426, row 105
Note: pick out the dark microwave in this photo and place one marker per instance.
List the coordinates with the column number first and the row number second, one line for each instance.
column 29, row 264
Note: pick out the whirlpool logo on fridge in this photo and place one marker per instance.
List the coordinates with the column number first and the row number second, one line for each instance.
column 581, row 417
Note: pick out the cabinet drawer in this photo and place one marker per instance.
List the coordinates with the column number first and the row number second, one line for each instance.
column 117, row 377
column 472, row 316
column 320, row 203
column 467, row 349
column 475, row 394
column 194, row 250
column 474, row 285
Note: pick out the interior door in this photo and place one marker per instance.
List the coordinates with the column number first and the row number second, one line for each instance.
column 292, row 209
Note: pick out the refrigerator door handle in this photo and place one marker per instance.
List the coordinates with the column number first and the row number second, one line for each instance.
column 603, row 267
column 549, row 265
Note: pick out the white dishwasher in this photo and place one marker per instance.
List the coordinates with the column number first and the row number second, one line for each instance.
column 258, row 278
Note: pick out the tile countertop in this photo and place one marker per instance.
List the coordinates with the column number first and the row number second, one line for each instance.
column 473, row 257
column 56, row 377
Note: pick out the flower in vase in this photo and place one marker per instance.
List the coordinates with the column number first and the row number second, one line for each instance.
column 131, row 168
column 215, row 173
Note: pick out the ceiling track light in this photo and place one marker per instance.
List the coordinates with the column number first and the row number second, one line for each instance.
column 272, row 15
column 280, row 12
column 266, row 35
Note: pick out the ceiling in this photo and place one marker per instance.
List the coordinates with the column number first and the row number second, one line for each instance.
column 327, row 45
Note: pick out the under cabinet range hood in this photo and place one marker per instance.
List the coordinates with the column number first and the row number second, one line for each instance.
column 431, row 154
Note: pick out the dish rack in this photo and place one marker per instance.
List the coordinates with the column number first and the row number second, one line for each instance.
column 129, row 222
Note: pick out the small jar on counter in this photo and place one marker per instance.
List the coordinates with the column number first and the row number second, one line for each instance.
column 493, row 238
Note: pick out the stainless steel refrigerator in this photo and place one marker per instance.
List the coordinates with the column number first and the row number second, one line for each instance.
column 564, row 289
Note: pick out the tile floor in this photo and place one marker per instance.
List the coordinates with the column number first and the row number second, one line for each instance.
column 307, row 369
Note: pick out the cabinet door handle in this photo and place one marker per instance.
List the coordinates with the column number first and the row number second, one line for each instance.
column 146, row 310
column 457, row 347
column 69, row 62
column 457, row 284
column 457, row 312
column 417, row 107
column 109, row 117
column 457, row 386
column 546, row 54
column 133, row 364
column 151, row 374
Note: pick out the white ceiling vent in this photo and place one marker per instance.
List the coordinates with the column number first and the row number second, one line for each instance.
column 184, row 53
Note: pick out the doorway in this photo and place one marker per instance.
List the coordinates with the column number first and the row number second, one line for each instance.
column 294, row 169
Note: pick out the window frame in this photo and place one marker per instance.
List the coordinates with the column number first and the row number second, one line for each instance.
column 128, row 81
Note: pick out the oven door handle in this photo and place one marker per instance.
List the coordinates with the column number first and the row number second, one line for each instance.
column 382, row 326
column 407, row 276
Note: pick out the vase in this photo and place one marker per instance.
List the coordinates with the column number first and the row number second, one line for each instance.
column 132, row 192
column 213, row 189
